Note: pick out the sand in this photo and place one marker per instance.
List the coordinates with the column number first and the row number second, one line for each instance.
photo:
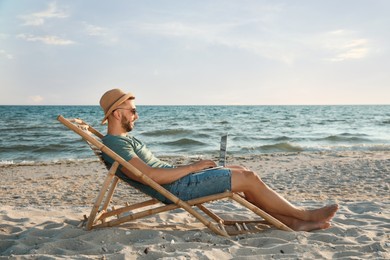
column 41, row 206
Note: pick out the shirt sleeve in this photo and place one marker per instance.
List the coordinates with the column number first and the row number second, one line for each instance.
column 122, row 146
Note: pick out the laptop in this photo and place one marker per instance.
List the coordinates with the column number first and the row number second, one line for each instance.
column 222, row 151
column 222, row 154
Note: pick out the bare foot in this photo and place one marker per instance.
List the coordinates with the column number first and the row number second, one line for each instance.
column 324, row 214
column 300, row 225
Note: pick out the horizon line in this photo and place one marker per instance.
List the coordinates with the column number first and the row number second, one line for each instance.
column 368, row 104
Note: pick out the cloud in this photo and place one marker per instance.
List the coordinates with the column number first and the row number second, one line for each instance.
column 94, row 30
column 48, row 39
column 356, row 49
column 5, row 54
column 268, row 49
column 264, row 44
column 37, row 99
column 177, row 29
column 103, row 33
column 345, row 45
column 39, row 18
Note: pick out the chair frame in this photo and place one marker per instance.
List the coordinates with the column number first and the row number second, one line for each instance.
column 100, row 216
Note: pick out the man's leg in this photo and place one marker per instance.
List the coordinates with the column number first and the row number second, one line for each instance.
column 258, row 193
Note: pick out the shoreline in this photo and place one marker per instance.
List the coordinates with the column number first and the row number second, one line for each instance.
column 41, row 206
column 378, row 148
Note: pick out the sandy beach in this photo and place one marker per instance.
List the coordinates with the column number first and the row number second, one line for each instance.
column 41, row 206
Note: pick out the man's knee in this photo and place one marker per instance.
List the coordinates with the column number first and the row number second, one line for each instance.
column 245, row 181
column 251, row 177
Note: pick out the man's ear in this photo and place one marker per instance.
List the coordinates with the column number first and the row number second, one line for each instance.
column 116, row 114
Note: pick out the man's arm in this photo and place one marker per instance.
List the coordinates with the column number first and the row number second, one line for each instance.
column 166, row 175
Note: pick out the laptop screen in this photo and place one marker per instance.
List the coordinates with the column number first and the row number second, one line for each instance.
column 222, row 151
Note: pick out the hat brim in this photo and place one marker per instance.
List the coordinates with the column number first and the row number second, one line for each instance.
column 116, row 104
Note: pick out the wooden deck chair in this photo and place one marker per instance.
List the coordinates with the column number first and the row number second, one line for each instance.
column 100, row 216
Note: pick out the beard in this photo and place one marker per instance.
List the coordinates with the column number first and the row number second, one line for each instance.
column 126, row 125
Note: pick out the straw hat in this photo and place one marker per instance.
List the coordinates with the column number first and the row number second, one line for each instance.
column 111, row 100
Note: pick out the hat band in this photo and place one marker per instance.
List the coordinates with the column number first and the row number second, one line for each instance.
column 115, row 103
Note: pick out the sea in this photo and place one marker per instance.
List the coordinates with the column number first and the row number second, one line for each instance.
column 32, row 134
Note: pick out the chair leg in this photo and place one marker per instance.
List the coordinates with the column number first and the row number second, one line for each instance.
column 261, row 213
column 110, row 193
column 211, row 214
column 100, row 197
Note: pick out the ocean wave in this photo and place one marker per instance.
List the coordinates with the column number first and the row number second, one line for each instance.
column 347, row 137
column 277, row 147
column 202, row 135
column 60, row 147
column 48, row 162
column 18, row 148
column 281, row 138
column 224, row 122
column 184, row 142
column 261, row 139
column 55, row 147
column 286, row 147
column 22, row 128
column 168, row 132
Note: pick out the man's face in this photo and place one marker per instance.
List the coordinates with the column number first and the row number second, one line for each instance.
column 129, row 115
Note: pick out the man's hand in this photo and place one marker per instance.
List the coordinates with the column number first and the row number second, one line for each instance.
column 203, row 164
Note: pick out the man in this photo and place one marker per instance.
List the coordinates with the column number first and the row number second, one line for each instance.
column 190, row 181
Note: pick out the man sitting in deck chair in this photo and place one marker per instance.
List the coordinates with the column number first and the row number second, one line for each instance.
column 189, row 181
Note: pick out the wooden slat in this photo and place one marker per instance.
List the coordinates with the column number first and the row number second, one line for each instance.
column 261, row 213
column 100, row 197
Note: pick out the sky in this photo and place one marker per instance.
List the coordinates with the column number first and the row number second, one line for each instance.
column 195, row 52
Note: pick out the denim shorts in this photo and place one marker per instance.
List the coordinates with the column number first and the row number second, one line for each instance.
column 192, row 186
